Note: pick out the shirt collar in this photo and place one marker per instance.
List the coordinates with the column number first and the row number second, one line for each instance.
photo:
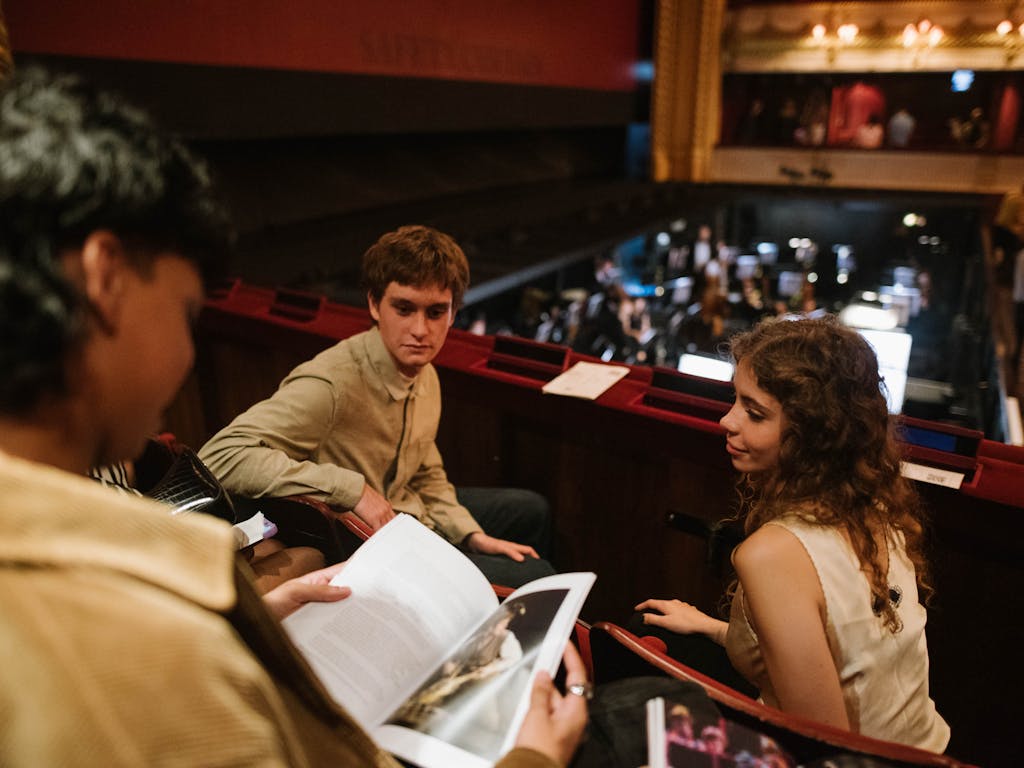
column 398, row 385
column 52, row 518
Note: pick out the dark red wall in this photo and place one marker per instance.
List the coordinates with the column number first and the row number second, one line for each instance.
column 569, row 43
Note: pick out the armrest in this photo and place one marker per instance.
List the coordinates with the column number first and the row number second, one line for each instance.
column 303, row 521
column 352, row 522
column 613, row 646
column 502, row 592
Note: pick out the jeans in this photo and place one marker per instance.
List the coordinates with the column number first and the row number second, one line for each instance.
column 516, row 515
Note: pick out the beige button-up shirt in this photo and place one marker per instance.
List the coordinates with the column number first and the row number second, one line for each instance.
column 345, row 419
column 122, row 636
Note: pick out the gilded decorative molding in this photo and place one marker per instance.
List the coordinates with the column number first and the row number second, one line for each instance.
column 859, row 169
column 777, row 37
column 6, row 63
column 685, row 110
column 666, row 56
column 707, row 113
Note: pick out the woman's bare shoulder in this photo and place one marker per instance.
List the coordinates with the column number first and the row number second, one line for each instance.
column 773, row 556
column 766, row 547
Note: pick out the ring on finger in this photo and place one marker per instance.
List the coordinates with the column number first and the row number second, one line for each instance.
column 584, row 690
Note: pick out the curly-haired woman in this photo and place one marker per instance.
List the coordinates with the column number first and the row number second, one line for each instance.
column 826, row 619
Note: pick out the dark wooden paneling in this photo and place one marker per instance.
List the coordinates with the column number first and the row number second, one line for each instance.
column 217, row 102
column 975, row 625
column 612, row 481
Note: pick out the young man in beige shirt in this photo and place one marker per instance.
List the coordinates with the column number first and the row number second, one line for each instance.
column 356, row 425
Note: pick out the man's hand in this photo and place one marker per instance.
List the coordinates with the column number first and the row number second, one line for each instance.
column 554, row 723
column 488, row 545
column 373, row 509
column 682, row 618
column 314, row 587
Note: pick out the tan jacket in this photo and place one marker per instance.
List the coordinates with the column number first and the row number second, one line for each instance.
column 131, row 638
column 342, row 420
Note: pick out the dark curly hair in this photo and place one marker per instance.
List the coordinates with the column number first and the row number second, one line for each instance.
column 415, row 255
column 74, row 160
column 839, row 462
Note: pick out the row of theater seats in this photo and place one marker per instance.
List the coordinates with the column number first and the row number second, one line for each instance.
column 610, row 652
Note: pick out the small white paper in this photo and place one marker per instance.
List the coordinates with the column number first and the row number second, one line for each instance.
column 656, row 744
column 586, row 380
column 249, row 531
column 924, row 474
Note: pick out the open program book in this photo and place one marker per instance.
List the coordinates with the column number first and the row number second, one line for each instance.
column 423, row 655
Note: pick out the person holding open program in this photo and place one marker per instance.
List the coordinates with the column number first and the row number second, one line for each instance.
column 356, row 425
column 137, row 635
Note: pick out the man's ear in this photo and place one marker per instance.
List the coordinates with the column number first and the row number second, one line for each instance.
column 104, row 272
column 374, row 307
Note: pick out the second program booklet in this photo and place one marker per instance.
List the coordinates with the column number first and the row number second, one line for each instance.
column 422, row 654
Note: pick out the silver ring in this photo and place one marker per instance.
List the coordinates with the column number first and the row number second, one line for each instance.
column 586, row 690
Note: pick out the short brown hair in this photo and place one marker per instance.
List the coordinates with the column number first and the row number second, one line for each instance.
column 415, row 255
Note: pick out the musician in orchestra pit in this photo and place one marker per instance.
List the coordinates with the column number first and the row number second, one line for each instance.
column 356, row 425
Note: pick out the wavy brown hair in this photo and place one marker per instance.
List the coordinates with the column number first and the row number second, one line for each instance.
column 839, row 462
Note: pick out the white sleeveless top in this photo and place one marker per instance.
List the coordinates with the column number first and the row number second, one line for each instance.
column 884, row 676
